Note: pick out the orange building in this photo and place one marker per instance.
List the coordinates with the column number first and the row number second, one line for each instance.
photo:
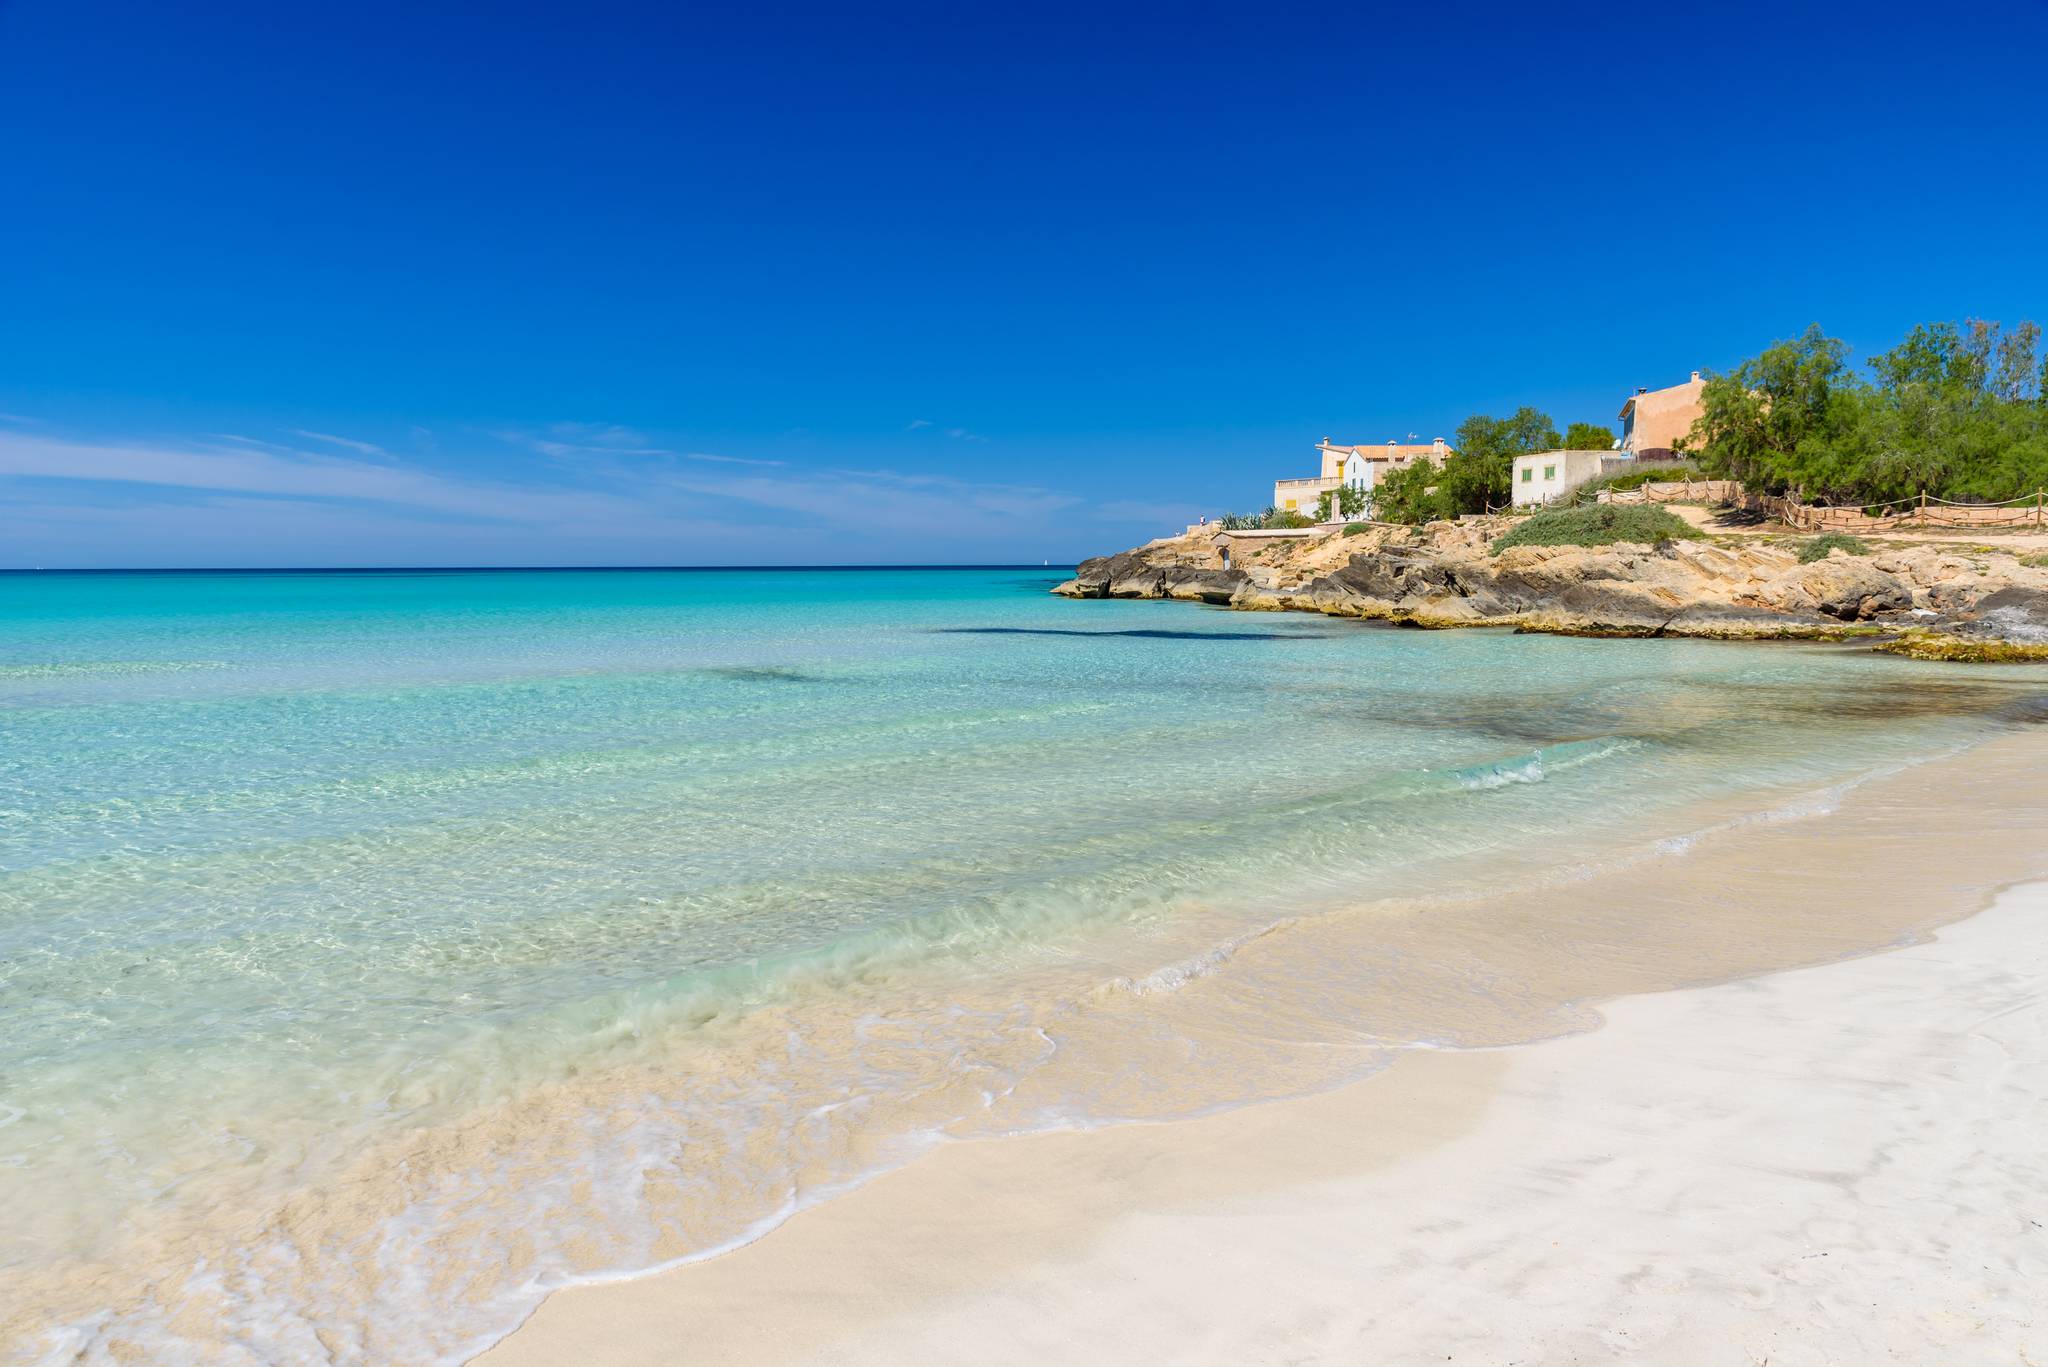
column 1653, row 421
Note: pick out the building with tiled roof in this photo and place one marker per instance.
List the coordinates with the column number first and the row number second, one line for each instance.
column 1359, row 467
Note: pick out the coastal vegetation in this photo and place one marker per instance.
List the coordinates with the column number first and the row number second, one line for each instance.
column 1600, row 524
column 1939, row 645
column 1820, row 546
column 1957, row 412
column 1588, row 436
column 1476, row 476
column 1589, row 492
column 1653, row 474
column 1343, row 501
column 1273, row 519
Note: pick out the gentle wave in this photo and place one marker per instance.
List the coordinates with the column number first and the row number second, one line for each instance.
column 1172, row 977
column 86, row 669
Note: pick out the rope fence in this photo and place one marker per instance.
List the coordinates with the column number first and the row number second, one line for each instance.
column 1925, row 510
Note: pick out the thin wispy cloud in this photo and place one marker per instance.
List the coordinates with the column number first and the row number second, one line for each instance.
column 249, row 470
column 230, row 499
column 609, row 434
column 730, row 460
column 562, row 450
column 240, row 529
column 580, row 441
column 893, row 502
column 361, row 448
column 569, row 440
column 246, row 468
column 955, row 433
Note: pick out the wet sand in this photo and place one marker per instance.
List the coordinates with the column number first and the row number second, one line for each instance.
column 1833, row 1164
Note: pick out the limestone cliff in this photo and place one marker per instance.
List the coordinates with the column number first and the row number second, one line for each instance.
column 1946, row 600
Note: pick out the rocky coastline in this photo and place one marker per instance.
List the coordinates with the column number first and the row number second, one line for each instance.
column 1945, row 600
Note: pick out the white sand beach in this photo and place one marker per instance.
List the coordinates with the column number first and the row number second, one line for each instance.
column 1838, row 1164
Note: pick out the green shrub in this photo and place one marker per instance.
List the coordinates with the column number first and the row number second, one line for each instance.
column 1270, row 520
column 1411, row 494
column 2035, row 562
column 1343, row 501
column 1353, row 529
column 1600, row 524
column 1819, row 546
column 1655, row 474
column 1589, row 492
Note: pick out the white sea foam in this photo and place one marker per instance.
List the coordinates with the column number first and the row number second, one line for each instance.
column 1174, row 976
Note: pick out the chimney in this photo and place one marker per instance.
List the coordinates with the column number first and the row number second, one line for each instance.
column 1695, row 377
column 1642, row 389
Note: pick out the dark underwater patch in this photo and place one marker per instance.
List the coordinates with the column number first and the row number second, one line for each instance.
column 1150, row 634
column 761, row 674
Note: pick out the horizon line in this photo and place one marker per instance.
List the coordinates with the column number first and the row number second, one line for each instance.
column 511, row 569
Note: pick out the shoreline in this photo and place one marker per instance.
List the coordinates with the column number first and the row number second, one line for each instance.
column 1113, row 1235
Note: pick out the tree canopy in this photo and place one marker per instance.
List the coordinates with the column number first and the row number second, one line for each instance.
column 1588, row 436
column 1475, row 476
column 1957, row 411
column 1343, row 501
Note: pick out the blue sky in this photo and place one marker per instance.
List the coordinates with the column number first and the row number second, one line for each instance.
column 669, row 284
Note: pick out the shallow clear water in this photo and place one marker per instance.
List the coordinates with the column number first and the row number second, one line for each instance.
column 576, row 921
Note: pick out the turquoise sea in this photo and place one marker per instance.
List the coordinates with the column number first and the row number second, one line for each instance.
column 379, row 950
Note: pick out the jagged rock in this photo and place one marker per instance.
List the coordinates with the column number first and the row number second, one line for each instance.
column 1131, row 574
column 1842, row 587
column 1091, row 577
column 1204, row 586
column 1728, row 622
column 2018, row 614
column 1603, row 609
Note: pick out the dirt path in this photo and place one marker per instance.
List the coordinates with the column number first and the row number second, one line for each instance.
column 2026, row 542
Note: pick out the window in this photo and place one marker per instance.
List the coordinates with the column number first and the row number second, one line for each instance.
column 1549, row 472
column 1288, row 505
column 1528, row 473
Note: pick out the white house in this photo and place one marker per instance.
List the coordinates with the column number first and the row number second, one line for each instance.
column 1356, row 467
column 1545, row 475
